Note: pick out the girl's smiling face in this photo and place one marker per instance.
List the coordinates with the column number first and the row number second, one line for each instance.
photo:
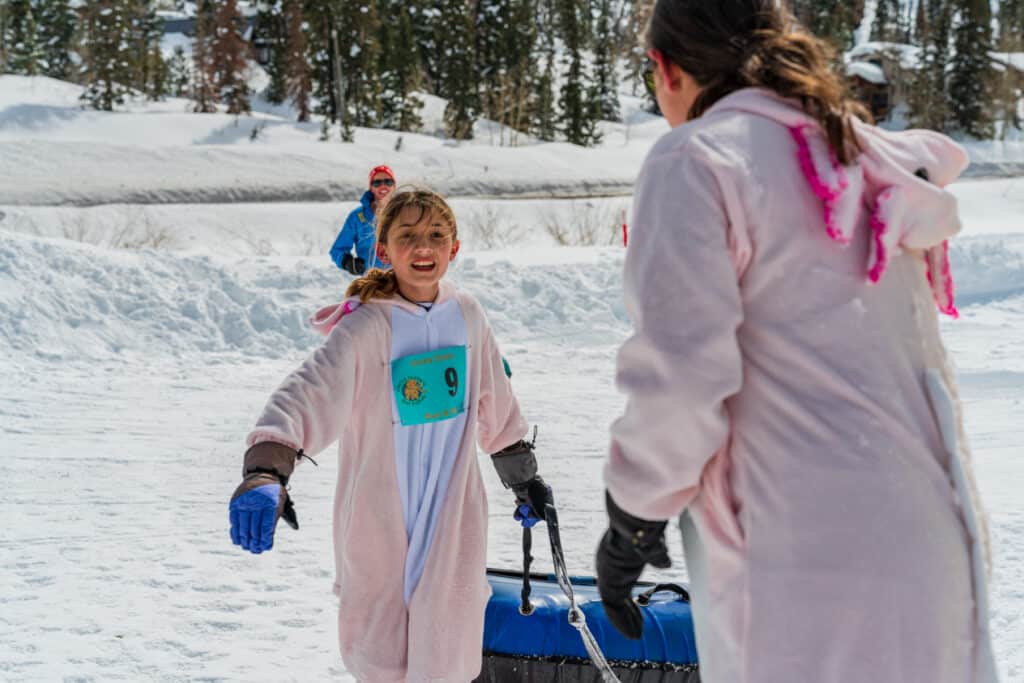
column 419, row 247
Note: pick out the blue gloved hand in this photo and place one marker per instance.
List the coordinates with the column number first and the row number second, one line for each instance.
column 254, row 515
column 254, row 509
column 532, row 498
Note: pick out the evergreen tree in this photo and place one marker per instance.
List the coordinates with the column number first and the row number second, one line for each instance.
column 606, row 81
column 542, row 114
column 1010, row 87
column 506, row 33
column 887, row 26
column 401, row 75
column 422, row 19
column 324, row 69
column 832, row 20
column 579, row 109
column 270, row 26
column 929, row 94
column 204, row 90
column 456, row 67
column 3, row 36
column 633, row 23
column 57, row 24
column 519, row 39
column 107, row 59
column 151, row 73
column 920, row 23
column 178, row 73
column 228, row 52
column 970, row 81
column 359, row 49
column 24, row 53
column 297, row 76
column 544, row 124
column 1011, row 25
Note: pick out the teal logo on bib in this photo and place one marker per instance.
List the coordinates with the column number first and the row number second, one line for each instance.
column 430, row 387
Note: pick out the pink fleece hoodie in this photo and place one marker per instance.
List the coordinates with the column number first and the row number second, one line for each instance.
column 789, row 393
column 410, row 509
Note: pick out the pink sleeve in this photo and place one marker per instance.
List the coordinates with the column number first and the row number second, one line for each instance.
column 500, row 422
column 310, row 408
column 683, row 360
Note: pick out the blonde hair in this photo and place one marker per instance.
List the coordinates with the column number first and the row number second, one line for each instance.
column 379, row 283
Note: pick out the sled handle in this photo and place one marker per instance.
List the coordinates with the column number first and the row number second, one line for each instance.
column 644, row 598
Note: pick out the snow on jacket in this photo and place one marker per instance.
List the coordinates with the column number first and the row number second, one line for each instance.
column 788, row 391
column 359, row 230
column 410, row 514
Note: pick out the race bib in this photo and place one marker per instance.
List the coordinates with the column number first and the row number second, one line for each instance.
column 430, row 387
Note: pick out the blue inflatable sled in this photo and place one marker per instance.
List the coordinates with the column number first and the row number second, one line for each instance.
column 532, row 631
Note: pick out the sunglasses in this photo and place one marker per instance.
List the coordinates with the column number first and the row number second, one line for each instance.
column 648, row 76
column 386, row 182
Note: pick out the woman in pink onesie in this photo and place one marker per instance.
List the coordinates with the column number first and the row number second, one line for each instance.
column 409, row 380
column 788, row 390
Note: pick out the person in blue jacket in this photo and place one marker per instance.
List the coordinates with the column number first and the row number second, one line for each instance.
column 360, row 227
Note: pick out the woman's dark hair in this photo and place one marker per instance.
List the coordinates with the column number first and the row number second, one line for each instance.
column 727, row 45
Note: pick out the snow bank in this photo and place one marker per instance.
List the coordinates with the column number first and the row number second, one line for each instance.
column 62, row 300
column 987, row 270
column 65, row 301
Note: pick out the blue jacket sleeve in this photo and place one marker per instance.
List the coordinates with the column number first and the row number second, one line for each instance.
column 346, row 238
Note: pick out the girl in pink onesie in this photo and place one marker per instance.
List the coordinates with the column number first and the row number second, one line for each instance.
column 788, row 389
column 409, row 380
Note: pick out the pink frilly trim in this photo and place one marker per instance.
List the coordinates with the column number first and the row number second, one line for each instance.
column 943, row 290
column 828, row 195
column 936, row 258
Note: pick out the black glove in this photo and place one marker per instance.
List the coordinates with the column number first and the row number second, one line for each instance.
column 629, row 544
column 262, row 497
column 353, row 264
column 517, row 467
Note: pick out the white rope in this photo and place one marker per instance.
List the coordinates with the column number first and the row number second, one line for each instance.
column 579, row 621
column 576, row 616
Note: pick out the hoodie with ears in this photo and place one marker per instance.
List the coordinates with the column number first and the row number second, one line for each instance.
column 410, row 509
column 788, row 394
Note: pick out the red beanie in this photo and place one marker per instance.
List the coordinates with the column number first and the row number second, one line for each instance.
column 382, row 169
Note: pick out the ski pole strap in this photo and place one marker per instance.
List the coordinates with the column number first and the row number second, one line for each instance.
column 576, row 616
column 525, row 608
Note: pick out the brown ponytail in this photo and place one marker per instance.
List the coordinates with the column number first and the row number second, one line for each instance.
column 727, row 45
column 383, row 284
column 376, row 284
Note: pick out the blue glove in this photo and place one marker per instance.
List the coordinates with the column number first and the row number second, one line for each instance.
column 254, row 509
column 524, row 515
column 532, row 499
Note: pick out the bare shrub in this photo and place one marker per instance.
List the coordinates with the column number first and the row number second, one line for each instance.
column 491, row 229
column 313, row 245
column 587, row 225
column 136, row 230
column 143, row 232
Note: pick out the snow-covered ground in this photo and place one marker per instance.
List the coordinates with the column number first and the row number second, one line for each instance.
column 139, row 341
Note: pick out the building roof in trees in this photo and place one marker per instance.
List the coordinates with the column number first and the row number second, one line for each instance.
column 909, row 55
column 872, row 73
